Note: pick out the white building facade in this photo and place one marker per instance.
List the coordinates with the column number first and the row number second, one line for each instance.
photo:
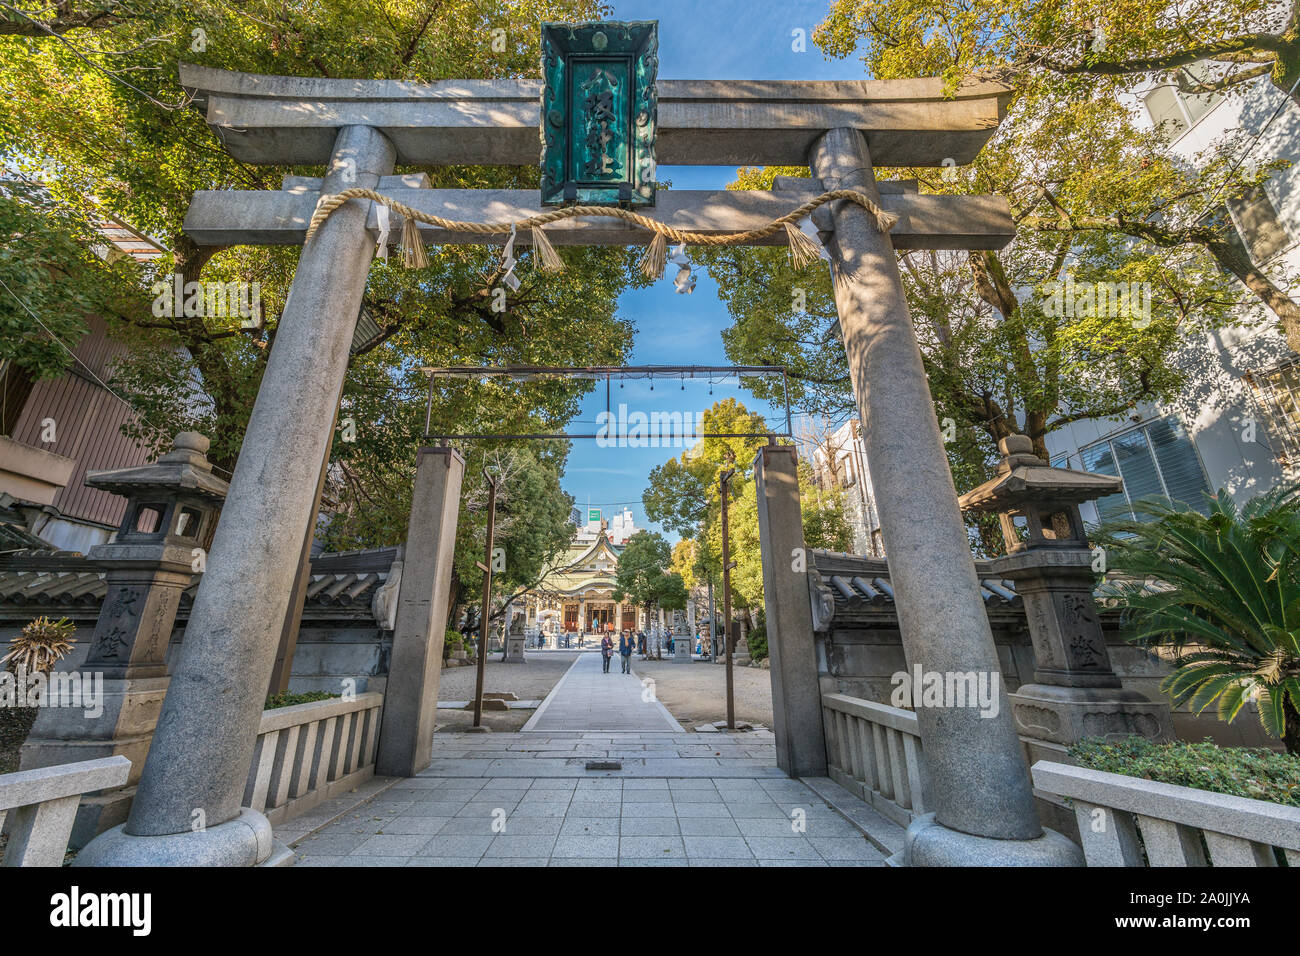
column 1236, row 425
column 841, row 462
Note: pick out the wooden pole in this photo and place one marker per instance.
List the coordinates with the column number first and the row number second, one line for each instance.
column 486, row 567
column 727, row 565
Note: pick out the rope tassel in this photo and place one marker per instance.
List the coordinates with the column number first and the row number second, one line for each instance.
column 547, row 258
column 802, row 249
column 413, row 256
column 655, row 256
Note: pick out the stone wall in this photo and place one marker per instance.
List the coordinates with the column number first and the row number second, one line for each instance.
column 859, row 648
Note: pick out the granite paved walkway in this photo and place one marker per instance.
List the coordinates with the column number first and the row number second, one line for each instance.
column 586, row 698
column 528, row 799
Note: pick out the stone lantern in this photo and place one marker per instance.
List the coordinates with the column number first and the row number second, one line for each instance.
column 1075, row 692
column 161, row 545
column 171, row 512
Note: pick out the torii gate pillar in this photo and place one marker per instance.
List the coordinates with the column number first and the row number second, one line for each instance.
column 979, row 784
column 192, row 775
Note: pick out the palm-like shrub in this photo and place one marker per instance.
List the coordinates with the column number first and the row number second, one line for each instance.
column 41, row 645
column 1222, row 590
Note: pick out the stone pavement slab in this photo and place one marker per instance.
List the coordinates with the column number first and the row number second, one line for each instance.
column 723, row 809
column 527, row 799
column 588, row 699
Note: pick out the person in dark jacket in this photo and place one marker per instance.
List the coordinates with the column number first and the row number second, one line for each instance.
column 626, row 645
column 606, row 652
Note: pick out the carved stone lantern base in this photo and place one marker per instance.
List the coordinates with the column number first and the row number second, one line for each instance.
column 125, row 727
column 1049, row 719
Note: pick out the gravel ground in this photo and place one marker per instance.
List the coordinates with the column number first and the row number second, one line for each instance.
column 530, row 681
column 697, row 693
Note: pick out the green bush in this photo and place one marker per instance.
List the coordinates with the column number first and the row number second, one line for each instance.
column 757, row 639
column 1252, row 772
column 275, row 701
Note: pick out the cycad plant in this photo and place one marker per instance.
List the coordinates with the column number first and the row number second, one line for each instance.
column 1222, row 590
column 40, row 645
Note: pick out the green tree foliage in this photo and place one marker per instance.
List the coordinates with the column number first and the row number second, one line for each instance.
column 1082, row 168
column 1099, row 202
column 642, row 576
column 685, row 494
column 93, row 102
column 1225, row 600
column 47, row 266
column 1075, row 42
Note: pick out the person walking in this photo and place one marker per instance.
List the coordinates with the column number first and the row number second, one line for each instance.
column 606, row 652
column 625, row 647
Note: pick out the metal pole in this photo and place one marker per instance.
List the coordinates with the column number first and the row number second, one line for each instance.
column 727, row 565
column 487, row 598
column 428, row 409
column 713, row 623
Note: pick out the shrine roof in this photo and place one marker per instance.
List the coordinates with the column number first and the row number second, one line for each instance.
column 45, row 582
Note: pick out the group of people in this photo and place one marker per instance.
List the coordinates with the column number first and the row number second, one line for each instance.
column 627, row 644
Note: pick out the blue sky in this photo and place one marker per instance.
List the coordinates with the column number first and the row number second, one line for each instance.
column 716, row 40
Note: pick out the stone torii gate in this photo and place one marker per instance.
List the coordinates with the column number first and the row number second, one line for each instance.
column 359, row 130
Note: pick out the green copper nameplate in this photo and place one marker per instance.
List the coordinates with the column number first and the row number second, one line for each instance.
column 599, row 113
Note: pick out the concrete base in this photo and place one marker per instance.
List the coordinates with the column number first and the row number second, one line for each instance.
column 484, row 729
column 514, row 650
column 929, row 843
column 244, row 841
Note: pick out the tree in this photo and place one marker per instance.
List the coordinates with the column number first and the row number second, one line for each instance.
column 93, row 103
column 1077, row 41
column 1225, row 600
column 684, row 494
column 48, row 266
column 642, row 569
column 1071, row 64
column 1099, row 203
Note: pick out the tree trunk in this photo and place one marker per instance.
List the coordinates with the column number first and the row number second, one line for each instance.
column 1286, row 70
column 1232, row 259
column 1291, row 732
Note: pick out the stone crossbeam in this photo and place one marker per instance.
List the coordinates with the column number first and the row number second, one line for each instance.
column 228, row 218
column 283, row 120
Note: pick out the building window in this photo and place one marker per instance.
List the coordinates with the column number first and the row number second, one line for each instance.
column 1155, row 459
column 1258, row 225
column 1277, row 395
column 1177, row 111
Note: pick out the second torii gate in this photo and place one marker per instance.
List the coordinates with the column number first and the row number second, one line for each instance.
column 360, row 130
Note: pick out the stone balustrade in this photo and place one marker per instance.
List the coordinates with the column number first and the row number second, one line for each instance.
column 40, row 806
column 308, row 753
column 874, row 751
column 1129, row 821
